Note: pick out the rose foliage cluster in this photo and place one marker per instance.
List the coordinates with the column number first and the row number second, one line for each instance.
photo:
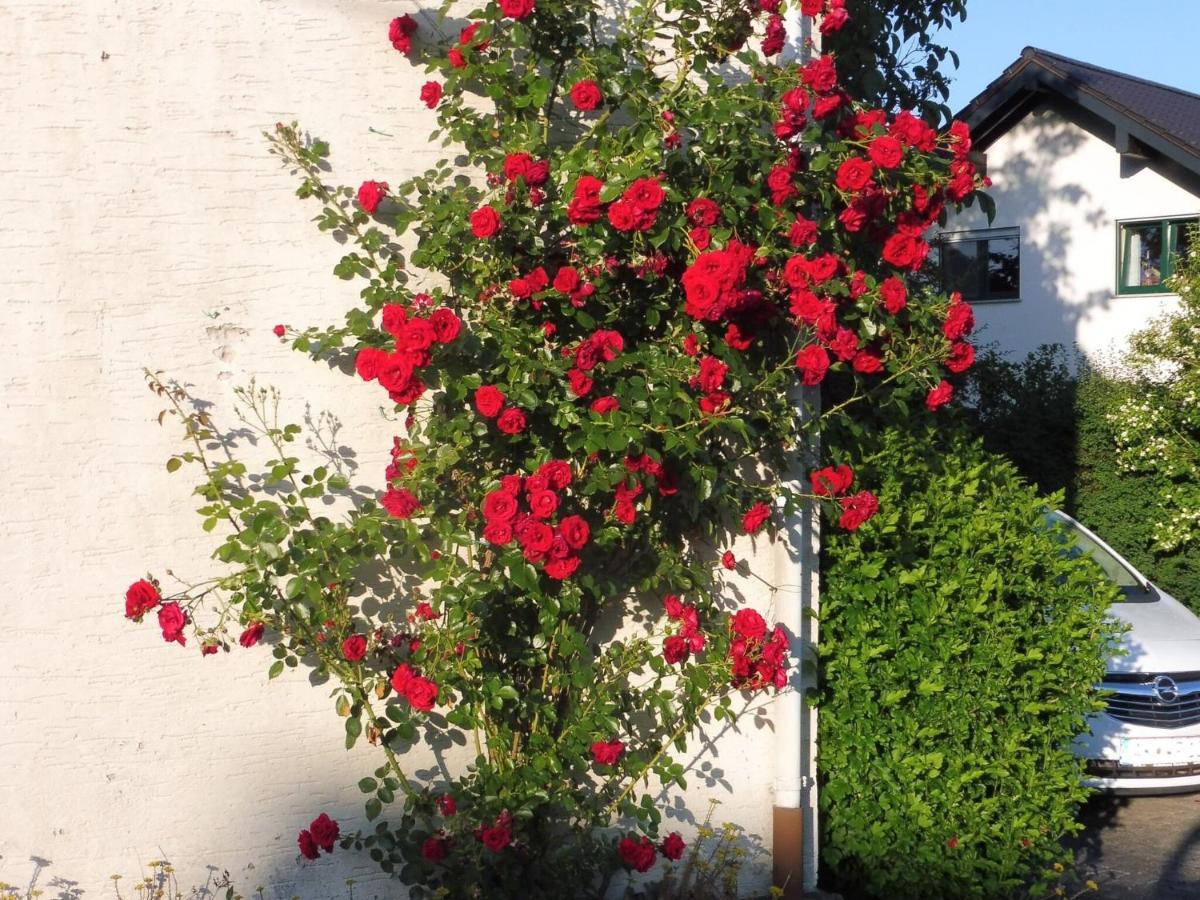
column 604, row 349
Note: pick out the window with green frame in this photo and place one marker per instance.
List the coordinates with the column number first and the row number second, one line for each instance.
column 1147, row 251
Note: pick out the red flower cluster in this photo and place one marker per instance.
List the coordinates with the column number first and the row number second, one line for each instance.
column 710, row 380
column 689, row 638
column 638, row 853
column 400, row 32
column 141, row 597
column 664, row 478
column 524, row 167
column 555, row 547
column 775, row 37
column 606, row 753
column 489, row 402
column 321, row 834
column 637, row 209
column 419, row 691
column 834, row 482
column 714, row 284
column 758, row 660
column 600, row 347
column 414, row 336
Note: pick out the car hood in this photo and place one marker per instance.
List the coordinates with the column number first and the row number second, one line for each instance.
column 1164, row 637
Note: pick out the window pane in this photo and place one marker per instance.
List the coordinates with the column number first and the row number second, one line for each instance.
column 961, row 266
column 1142, row 246
column 1182, row 236
column 1004, row 266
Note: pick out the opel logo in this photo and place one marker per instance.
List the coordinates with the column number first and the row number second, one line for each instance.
column 1165, row 689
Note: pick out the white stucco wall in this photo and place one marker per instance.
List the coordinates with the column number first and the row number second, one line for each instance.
column 1062, row 185
column 144, row 224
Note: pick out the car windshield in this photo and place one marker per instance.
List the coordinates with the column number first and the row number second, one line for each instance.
column 1085, row 545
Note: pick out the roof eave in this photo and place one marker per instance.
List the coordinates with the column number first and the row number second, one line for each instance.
column 989, row 113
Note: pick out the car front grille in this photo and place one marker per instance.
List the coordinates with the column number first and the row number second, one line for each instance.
column 1145, row 701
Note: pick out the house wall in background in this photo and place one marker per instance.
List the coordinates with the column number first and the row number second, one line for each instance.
column 1058, row 177
column 146, row 225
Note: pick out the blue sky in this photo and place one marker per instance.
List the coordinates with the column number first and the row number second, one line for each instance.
column 1154, row 39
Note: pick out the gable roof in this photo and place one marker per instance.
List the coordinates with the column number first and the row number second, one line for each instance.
column 1157, row 116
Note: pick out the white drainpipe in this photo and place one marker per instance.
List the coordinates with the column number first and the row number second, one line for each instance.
column 794, row 817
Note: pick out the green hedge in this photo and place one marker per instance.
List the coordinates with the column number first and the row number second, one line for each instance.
column 959, row 649
column 1054, row 427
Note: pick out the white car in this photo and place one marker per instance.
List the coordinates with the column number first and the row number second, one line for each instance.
column 1147, row 741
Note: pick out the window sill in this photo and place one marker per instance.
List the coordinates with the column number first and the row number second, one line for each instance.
column 993, row 302
column 1128, row 295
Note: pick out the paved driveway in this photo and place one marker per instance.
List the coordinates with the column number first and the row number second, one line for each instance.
column 1142, row 848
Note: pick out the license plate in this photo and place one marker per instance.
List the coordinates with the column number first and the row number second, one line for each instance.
column 1164, row 751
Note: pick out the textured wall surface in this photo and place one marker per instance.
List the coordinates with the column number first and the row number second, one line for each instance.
column 1058, row 177
column 145, row 225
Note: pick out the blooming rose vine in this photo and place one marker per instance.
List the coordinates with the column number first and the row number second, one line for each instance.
column 594, row 352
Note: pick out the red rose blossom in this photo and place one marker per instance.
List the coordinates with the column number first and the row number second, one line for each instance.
column 586, row 95
column 960, row 321
column 857, row 509
column 324, row 832
column 603, row 405
column 639, row 854
column 489, row 400
column 446, row 325
column 435, row 848
column 886, row 152
column 485, row 222
column 516, row 9
column 511, row 421
column 172, row 619
column 371, row 194
column 399, row 503
column 279, row 331
column 961, row 358
column 894, row 295
column 749, row 624
column 431, row 93
column 673, row 846
column 606, row 753
column 141, row 597
column 728, row 560
column 755, row 516
column 675, row 649
column 354, row 648
column 832, row 481
column 939, row 396
column 854, row 174
column 308, row 847
column 252, row 635
column 813, row 363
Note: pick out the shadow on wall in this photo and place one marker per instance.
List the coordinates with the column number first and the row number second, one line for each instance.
column 1052, row 308
column 158, row 880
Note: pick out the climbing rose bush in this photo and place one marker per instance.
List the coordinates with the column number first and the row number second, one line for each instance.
column 597, row 347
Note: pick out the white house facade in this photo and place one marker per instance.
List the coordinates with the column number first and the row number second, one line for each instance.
column 1096, row 178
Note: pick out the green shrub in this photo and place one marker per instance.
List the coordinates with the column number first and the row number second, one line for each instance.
column 1056, row 428
column 959, row 649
